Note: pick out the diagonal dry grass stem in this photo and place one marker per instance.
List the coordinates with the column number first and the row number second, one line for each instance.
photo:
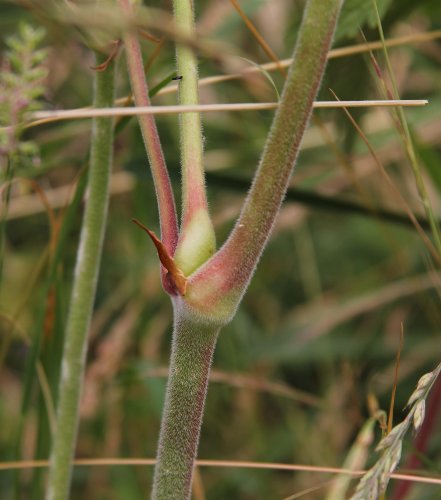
column 426, row 240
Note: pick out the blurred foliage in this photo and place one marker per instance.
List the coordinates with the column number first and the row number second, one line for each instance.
column 21, row 86
column 318, row 330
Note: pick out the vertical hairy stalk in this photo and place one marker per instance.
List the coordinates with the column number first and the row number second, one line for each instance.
column 193, row 345
column 83, row 293
column 197, row 239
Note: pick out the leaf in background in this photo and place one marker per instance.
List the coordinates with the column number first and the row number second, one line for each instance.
column 229, row 26
column 266, row 74
column 357, row 13
column 431, row 158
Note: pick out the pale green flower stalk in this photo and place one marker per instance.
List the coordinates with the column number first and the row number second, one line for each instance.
column 197, row 240
column 84, row 288
column 206, row 290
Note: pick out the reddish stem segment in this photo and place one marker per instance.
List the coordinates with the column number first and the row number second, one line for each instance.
column 164, row 192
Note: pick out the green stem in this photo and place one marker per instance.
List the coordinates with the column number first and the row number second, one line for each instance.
column 193, row 345
column 282, row 147
column 83, row 293
column 197, row 239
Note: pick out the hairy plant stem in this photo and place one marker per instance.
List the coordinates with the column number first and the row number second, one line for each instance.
column 197, row 239
column 83, row 292
column 147, row 123
column 215, row 290
column 218, row 286
column 193, row 345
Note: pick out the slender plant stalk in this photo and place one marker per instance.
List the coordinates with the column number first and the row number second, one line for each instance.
column 83, row 293
column 192, row 351
column 197, row 239
column 214, row 291
column 163, row 188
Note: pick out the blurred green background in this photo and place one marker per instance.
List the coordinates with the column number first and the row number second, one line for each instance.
column 311, row 352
